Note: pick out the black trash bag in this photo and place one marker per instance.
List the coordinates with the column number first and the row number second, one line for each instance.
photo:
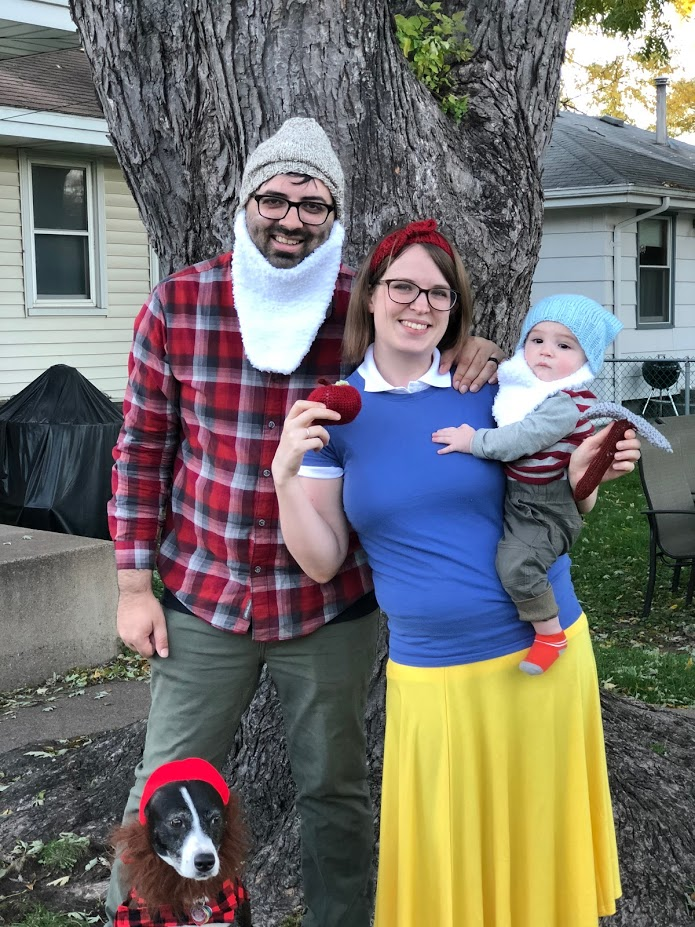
column 56, row 439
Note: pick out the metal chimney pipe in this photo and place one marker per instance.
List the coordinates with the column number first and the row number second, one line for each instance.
column 661, row 132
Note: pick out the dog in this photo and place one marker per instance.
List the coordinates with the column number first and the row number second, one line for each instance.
column 183, row 853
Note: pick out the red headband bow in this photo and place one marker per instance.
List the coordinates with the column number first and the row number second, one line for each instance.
column 181, row 771
column 415, row 233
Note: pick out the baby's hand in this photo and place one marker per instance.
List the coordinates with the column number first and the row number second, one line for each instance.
column 456, row 439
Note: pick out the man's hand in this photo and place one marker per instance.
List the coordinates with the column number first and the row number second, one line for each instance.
column 456, row 439
column 476, row 365
column 140, row 619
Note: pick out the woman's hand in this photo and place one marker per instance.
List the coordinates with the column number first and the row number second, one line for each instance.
column 476, row 365
column 312, row 520
column 627, row 453
column 300, row 434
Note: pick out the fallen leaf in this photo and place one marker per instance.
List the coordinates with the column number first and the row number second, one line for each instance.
column 59, row 882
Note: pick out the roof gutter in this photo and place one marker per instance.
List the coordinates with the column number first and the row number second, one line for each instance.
column 28, row 128
column 616, row 195
column 618, row 258
column 52, row 14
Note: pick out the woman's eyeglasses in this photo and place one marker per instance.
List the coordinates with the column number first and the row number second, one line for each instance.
column 441, row 298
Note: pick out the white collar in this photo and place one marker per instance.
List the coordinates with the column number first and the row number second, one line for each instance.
column 521, row 392
column 375, row 383
column 280, row 310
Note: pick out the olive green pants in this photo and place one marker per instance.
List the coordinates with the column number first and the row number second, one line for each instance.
column 199, row 694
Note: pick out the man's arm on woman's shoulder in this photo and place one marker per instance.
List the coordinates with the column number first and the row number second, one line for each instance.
column 476, row 365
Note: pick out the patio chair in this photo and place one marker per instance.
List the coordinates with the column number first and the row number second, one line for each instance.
column 671, row 513
column 682, row 429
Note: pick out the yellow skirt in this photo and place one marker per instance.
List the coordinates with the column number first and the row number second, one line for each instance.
column 495, row 808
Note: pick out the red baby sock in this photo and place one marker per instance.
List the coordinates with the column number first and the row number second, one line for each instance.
column 544, row 651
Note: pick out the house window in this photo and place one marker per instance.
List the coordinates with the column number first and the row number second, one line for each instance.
column 654, row 242
column 63, row 244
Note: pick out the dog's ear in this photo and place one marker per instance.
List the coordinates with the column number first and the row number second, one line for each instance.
column 130, row 842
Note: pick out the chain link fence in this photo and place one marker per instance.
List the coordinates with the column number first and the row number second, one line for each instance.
column 654, row 387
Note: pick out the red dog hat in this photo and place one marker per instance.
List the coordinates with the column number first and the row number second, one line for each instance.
column 415, row 233
column 181, row 771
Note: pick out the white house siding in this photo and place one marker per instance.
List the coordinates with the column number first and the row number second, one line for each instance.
column 577, row 257
column 128, row 272
column 684, row 311
column 676, row 341
column 96, row 345
column 11, row 275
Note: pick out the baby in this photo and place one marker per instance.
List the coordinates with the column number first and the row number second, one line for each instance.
column 540, row 411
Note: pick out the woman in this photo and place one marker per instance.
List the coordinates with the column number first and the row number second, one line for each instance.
column 495, row 803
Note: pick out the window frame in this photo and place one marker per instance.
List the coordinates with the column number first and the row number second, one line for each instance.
column 96, row 303
column 641, row 324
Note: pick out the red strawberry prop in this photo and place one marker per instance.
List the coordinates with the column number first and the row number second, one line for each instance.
column 339, row 397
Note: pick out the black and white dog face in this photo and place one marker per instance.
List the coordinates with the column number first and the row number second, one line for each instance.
column 185, row 822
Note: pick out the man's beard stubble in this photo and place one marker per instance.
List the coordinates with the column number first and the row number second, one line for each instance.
column 281, row 259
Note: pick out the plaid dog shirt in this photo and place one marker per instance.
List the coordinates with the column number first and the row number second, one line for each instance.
column 230, row 907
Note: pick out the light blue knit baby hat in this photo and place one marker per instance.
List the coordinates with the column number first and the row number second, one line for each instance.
column 592, row 325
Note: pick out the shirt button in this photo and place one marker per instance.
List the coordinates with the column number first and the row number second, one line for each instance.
column 261, row 522
column 266, row 473
column 257, row 569
column 271, row 424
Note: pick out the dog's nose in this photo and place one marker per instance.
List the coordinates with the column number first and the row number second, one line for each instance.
column 204, row 862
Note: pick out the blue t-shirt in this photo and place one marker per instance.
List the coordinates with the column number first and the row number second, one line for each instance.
column 430, row 524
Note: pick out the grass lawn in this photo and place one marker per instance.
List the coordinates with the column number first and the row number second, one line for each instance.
column 650, row 658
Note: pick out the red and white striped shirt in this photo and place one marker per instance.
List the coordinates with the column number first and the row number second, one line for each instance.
column 551, row 463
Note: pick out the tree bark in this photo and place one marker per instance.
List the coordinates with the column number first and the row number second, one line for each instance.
column 189, row 88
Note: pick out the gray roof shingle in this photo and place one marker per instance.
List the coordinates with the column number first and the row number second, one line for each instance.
column 586, row 151
column 58, row 82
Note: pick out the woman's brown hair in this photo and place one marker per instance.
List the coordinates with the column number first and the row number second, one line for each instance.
column 359, row 324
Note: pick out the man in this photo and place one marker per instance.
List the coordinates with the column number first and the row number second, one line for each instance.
column 221, row 352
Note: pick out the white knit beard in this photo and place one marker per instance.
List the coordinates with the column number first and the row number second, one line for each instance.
column 521, row 392
column 281, row 309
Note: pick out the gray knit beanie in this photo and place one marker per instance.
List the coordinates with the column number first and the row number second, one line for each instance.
column 300, row 146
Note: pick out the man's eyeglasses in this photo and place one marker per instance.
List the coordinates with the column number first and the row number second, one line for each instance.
column 310, row 212
column 441, row 298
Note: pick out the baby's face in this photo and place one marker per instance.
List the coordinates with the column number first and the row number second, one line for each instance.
column 552, row 352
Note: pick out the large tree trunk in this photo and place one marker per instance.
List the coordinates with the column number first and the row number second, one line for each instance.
column 189, row 88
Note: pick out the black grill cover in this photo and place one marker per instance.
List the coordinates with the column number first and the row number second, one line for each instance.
column 56, row 438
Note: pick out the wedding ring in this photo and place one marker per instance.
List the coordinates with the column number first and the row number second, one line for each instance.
column 495, row 361
column 308, row 433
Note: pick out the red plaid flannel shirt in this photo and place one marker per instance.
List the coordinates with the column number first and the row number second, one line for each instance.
column 193, row 462
column 230, row 907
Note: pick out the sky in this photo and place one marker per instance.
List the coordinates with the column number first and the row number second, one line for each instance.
column 590, row 48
